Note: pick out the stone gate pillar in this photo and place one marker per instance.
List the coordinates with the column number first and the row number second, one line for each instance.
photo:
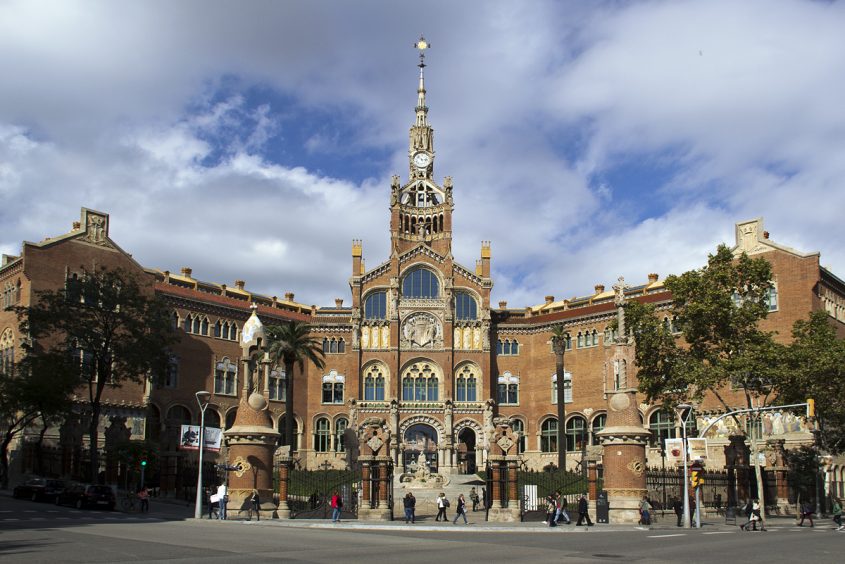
column 376, row 459
column 741, row 456
column 251, row 441
column 283, row 461
column 780, row 471
column 592, row 480
column 503, row 456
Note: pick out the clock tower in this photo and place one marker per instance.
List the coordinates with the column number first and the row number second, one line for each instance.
column 421, row 210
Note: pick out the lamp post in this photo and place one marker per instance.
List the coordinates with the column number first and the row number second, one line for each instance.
column 203, row 398
column 681, row 409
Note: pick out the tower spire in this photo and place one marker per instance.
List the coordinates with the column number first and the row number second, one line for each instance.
column 421, row 132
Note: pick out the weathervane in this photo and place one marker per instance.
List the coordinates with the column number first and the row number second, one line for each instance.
column 422, row 45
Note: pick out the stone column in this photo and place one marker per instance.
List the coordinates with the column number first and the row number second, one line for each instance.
column 366, row 476
column 592, row 480
column 374, row 445
column 742, row 473
column 502, row 455
column 624, row 440
column 284, row 461
column 780, row 471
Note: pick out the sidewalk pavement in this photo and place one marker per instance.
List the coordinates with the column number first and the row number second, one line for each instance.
column 666, row 526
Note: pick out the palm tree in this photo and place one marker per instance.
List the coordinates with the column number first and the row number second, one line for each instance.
column 559, row 338
column 288, row 344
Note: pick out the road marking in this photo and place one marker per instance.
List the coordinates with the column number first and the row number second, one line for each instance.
column 666, row 536
column 719, row 533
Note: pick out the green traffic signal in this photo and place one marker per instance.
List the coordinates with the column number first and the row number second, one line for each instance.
column 143, row 463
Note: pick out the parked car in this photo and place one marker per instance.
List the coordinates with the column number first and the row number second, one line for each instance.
column 39, row 489
column 87, row 495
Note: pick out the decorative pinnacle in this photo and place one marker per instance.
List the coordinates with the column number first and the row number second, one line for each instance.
column 422, row 45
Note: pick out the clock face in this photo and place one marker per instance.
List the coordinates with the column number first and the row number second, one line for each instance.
column 422, row 160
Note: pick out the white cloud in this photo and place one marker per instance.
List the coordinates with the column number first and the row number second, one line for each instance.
column 143, row 110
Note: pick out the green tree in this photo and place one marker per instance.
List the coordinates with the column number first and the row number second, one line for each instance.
column 35, row 388
column 816, row 362
column 114, row 329
column 717, row 342
column 559, row 337
column 291, row 344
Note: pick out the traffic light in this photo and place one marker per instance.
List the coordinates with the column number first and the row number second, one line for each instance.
column 696, row 477
column 143, row 463
column 811, row 407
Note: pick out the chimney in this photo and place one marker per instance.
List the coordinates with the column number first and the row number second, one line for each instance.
column 549, row 299
column 652, row 278
column 239, row 284
column 76, row 225
column 599, row 288
column 289, row 296
column 338, row 302
column 765, row 234
column 186, row 272
column 222, row 289
column 503, row 304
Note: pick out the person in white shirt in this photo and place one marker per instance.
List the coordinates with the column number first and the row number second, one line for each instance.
column 223, row 496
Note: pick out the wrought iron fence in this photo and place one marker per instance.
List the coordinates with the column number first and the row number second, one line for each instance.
column 536, row 486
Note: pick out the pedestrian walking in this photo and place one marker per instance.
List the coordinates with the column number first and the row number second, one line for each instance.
column 442, row 504
column 752, row 510
column 255, row 505
column 473, row 497
column 645, row 512
column 461, row 510
column 807, row 510
column 337, row 506
column 583, row 511
column 551, row 510
column 222, row 500
column 837, row 513
column 678, row 507
column 409, row 502
column 144, row 498
column 561, row 503
column 484, row 499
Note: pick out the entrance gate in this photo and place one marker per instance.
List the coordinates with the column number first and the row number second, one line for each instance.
column 536, row 486
column 310, row 492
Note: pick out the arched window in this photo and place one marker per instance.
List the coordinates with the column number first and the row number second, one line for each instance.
column 548, row 435
column 599, row 421
column 204, row 327
column 225, row 377
column 333, row 387
column 466, row 384
column 466, row 307
column 419, row 383
column 218, row 329
column 283, row 432
column 322, row 435
column 179, row 415
column 519, row 427
column 341, row 346
column 277, row 385
column 420, row 283
column 375, row 305
column 233, row 332
column 499, row 347
column 507, row 348
column 230, row 417
column 174, row 321
column 576, row 433
column 580, row 339
column 514, row 347
column 188, row 324
column 333, row 346
column 374, row 383
column 212, row 419
column 662, row 426
column 567, row 390
column 7, row 352
column 340, row 427
column 508, row 389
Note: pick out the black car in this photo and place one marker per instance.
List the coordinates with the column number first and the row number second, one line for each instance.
column 86, row 495
column 39, row 489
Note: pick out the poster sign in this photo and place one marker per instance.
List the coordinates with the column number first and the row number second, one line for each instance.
column 697, row 449
column 191, row 438
column 674, row 451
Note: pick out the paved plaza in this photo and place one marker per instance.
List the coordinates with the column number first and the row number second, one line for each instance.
column 37, row 532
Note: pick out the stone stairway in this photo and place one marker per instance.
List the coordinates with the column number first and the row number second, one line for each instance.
column 426, row 496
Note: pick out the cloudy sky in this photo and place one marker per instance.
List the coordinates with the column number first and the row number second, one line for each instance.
column 586, row 140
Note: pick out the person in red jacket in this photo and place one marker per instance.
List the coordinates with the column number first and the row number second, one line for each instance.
column 337, row 505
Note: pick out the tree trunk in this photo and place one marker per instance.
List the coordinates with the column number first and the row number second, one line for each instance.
column 39, row 452
column 93, row 440
column 4, row 461
column 561, row 412
column 289, row 420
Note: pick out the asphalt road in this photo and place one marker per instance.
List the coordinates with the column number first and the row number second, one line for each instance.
column 33, row 532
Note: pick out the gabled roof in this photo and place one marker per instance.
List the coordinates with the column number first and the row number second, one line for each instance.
column 752, row 239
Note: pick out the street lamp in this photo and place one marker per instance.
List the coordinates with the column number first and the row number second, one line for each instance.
column 203, row 398
column 685, row 408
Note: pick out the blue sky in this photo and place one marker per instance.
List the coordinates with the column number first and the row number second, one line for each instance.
column 586, row 140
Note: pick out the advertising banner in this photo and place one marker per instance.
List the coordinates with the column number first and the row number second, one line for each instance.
column 697, row 449
column 674, row 451
column 191, row 438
